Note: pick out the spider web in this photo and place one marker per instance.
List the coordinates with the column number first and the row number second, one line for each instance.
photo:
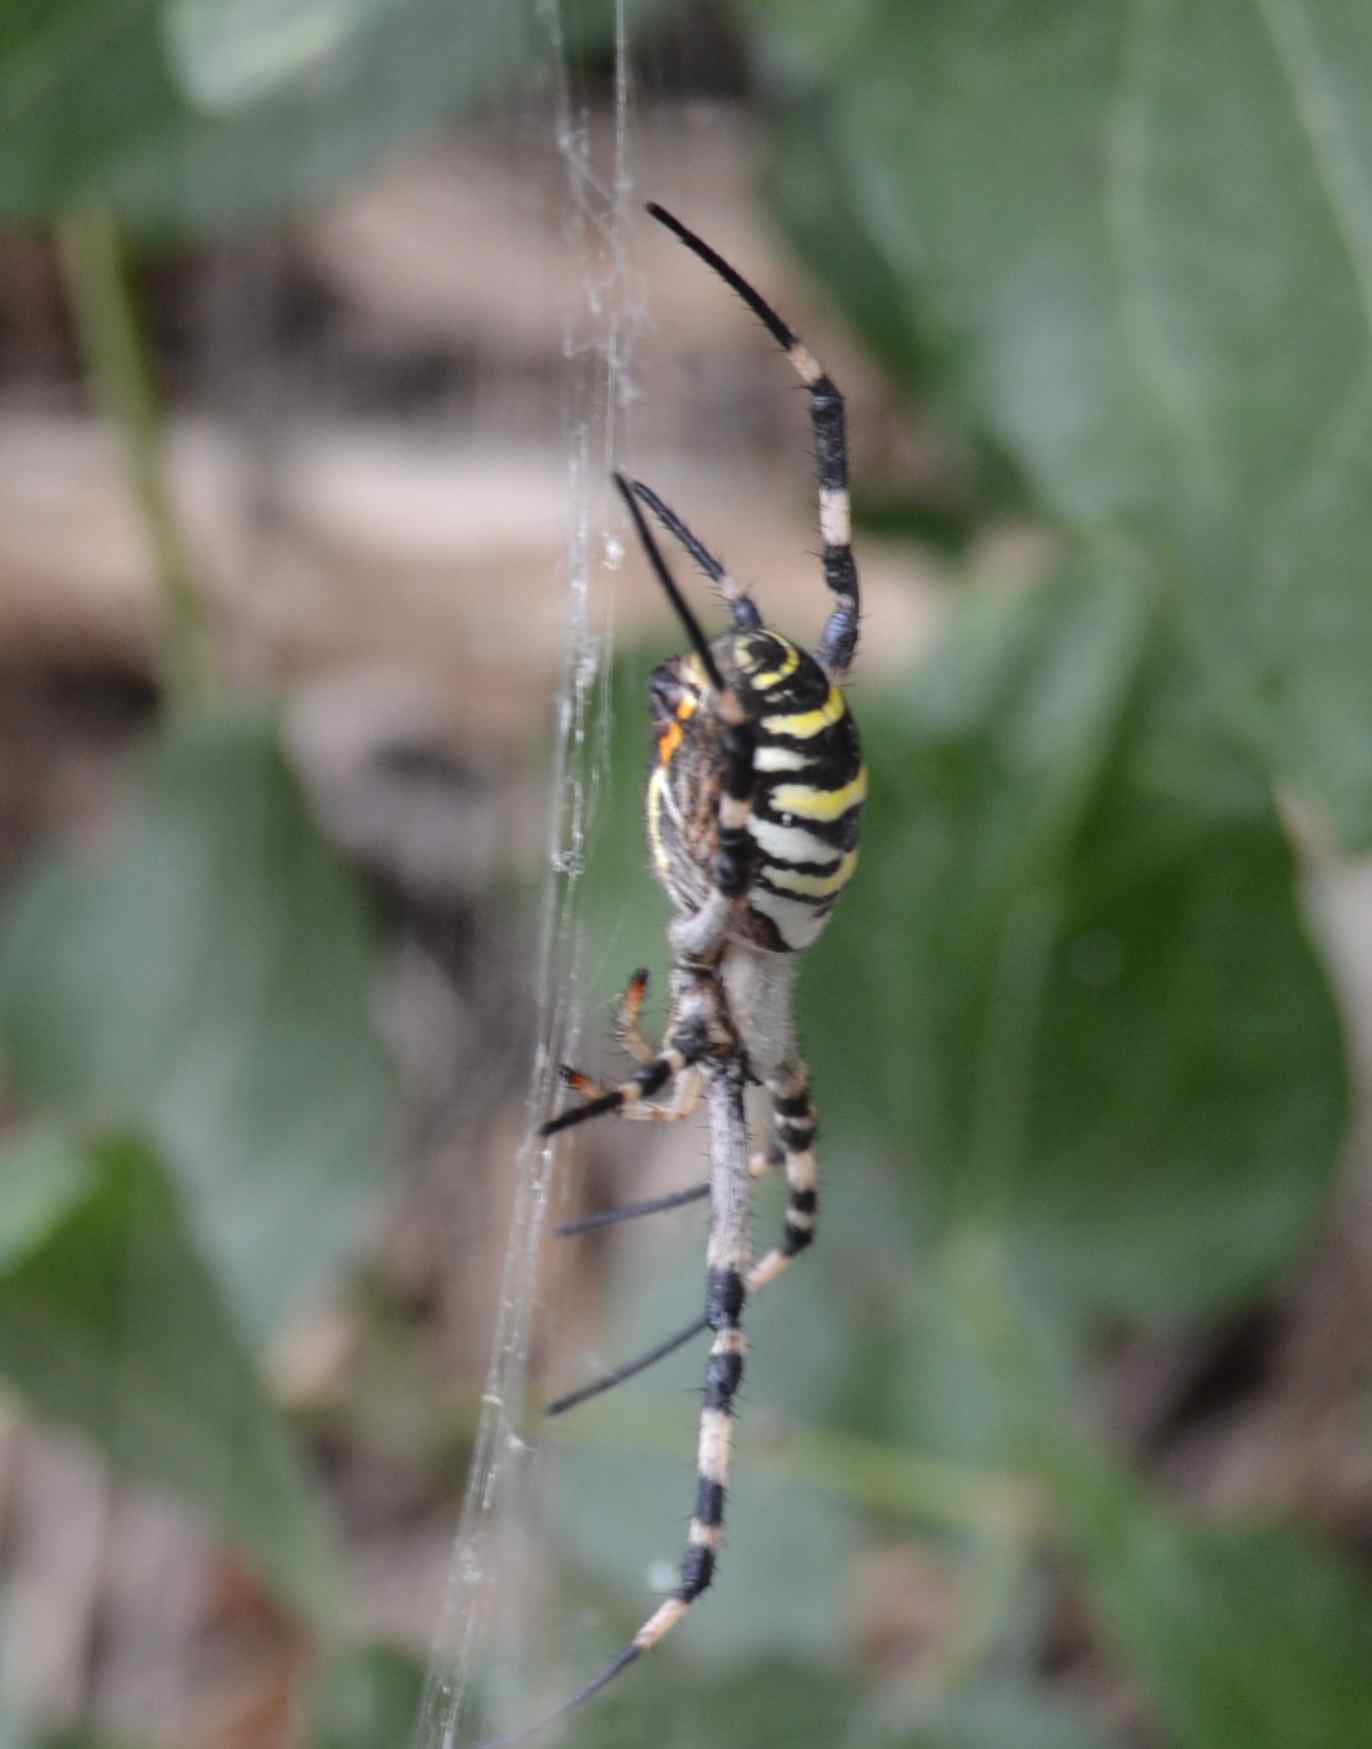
column 599, row 330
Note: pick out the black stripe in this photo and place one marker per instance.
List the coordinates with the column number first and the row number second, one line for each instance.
column 797, row 1137
column 796, row 1239
column 724, row 1297
column 733, row 866
column 785, row 892
column 709, row 1502
column 826, row 416
column 804, row 1202
column 840, row 834
column 652, row 1076
column 819, row 869
column 738, row 761
column 840, row 573
column 697, row 1570
column 792, row 1104
column 723, row 1374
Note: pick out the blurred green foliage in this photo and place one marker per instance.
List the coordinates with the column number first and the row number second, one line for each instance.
column 111, row 1321
column 1078, row 1058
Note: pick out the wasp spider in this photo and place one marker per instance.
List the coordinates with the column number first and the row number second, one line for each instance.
column 753, row 810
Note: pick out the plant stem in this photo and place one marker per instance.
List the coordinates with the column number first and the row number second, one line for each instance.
column 106, row 317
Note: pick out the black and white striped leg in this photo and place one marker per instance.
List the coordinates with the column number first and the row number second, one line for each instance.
column 838, row 641
column 795, row 1129
column 728, row 1257
column 723, row 1375
column 685, row 1098
column 628, row 1033
column 686, row 1045
column 727, row 1262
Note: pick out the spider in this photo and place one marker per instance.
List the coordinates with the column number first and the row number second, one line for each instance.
column 753, row 808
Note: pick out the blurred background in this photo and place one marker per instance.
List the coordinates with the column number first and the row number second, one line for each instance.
column 322, row 737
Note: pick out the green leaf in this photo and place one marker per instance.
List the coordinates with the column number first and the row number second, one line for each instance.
column 1070, row 985
column 1239, row 1636
column 111, row 1324
column 1147, row 234
column 81, row 81
column 41, row 1178
column 198, row 114
column 204, row 977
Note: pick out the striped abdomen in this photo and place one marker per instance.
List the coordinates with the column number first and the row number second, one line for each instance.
column 807, row 803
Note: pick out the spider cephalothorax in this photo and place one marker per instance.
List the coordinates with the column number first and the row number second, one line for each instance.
column 753, row 807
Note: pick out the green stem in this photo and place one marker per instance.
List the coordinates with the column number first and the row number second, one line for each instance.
column 116, row 357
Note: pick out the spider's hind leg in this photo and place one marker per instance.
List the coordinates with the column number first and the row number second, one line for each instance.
column 794, row 1130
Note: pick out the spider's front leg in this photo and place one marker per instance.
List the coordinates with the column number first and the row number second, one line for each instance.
column 693, row 1032
column 686, row 1096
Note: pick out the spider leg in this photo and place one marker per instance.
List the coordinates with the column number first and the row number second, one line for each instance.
column 838, row 641
column 727, row 1259
column 628, row 1033
column 683, row 1103
column 795, row 1128
column 631, row 1211
column 628, row 1369
column 627, row 1030
column 742, row 606
column 728, row 1279
column 694, row 1030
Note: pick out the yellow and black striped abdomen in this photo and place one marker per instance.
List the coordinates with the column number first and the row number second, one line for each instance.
column 810, row 787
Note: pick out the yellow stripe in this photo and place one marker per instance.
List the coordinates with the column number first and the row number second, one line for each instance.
column 806, row 723
column 774, row 677
column 813, row 886
column 819, row 804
